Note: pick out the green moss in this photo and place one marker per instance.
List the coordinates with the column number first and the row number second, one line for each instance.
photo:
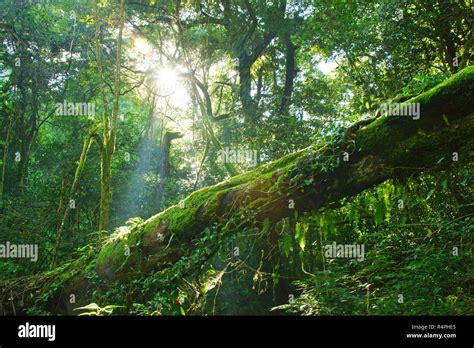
column 257, row 204
column 461, row 83
column 182, row 221
column 453, row 96
column 280, row 183
column 113, row 253
column 212, row 206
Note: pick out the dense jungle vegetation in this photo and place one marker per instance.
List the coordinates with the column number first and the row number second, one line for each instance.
column 230, row 157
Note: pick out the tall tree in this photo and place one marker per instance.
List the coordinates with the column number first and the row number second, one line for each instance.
column 109, row 118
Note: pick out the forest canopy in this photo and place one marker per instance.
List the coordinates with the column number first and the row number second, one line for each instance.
column 208, row 157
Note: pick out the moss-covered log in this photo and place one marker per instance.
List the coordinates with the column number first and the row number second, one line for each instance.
column 357, row 159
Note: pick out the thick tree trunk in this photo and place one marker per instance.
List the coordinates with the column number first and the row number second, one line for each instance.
column 388, row 147
column 245, row 88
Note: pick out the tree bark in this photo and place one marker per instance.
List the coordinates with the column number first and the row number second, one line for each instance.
column 289, row 75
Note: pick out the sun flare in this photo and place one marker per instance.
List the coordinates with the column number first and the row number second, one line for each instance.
column 168, row 83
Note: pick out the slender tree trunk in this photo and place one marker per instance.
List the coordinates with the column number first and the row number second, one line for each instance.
column 163, row 166
column 105, row 191
column 289, row 75
column 69, row 203
column 5, row 159
column 468, row 51
column 109, row 123
column 206, row 112
column 259, row 85
column 150, row 139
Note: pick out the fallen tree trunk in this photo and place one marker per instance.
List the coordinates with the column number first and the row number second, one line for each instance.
column 357, row 159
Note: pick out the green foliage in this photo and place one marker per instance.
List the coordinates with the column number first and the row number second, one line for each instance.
column 266, row 89
column 93, row 309
column 422, row 264
column 325, row 156
column 11, row 269
column 420, row 84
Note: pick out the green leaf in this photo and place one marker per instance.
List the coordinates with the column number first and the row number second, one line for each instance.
column 430, row 194
column 403, row 219
column 112, row 307
column 276, row 278
column 379, row 212
column 445, row 119
column 301, row 229
column 89, row 307
column 286, row 245
column 444, row 184
column 266, row 226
